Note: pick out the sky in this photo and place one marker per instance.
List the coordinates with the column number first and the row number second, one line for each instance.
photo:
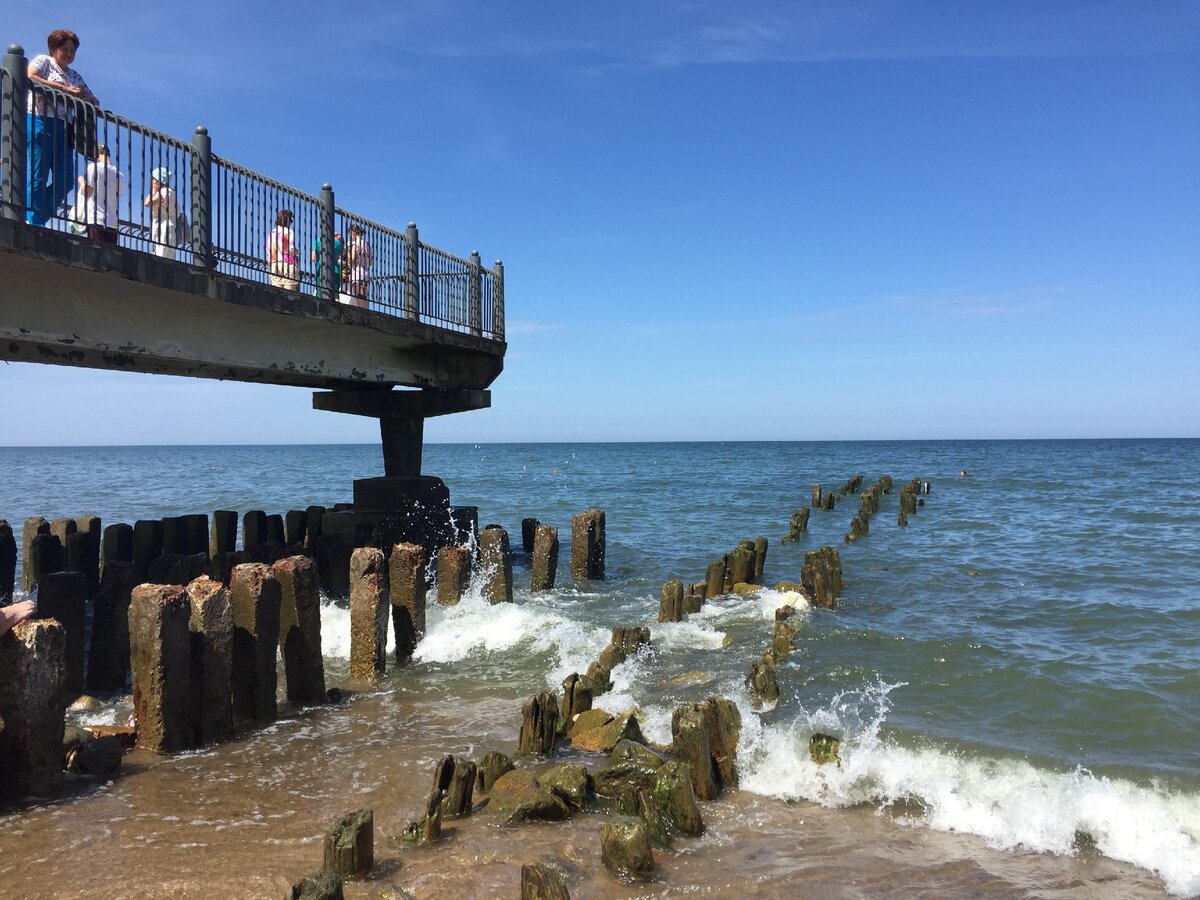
column 718, row 221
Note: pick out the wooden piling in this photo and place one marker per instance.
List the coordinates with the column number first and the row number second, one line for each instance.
column 160, row 659
column 406, row 585
column 255, row 600
column 300, row 629
column 369, row 605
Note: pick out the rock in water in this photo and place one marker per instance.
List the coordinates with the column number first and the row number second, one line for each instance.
column 518, row 797
column 625, row 849
column 823, row 748
column 324, row 884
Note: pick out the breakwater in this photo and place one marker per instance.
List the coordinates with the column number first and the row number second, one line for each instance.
column 909, row 600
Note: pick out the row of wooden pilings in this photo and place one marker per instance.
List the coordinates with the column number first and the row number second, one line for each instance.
column 201, row 652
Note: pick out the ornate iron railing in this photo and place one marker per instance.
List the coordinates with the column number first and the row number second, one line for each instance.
column 182, row 201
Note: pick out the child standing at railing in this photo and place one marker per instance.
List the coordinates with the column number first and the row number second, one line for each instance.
column 284, row 263
column 102, row 186
column 359, row 259
column 164, row 213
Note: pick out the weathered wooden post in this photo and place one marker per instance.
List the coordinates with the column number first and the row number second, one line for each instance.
column 495, row 562
column 63, row 596
column 528, row 532
column 256, row 600
column 83, row 551
column 369, row 604
column 670, row 601
column 210, row 625
column 545, row 558
column 300, row 629
column 147, row 547
column 539, row 725
column 588, row 545
column 406, row 581
column 714, row 578
column 577, row 697
column 350, row 844
column 33, row 526
column 160, row 659
column 760, row 558
column 254, row 530
column 741, row 563
column 816, row 496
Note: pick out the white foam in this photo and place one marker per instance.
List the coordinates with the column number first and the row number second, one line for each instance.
column 1009, row 803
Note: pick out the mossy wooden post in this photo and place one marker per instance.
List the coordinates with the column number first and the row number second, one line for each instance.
column 714, row 579
column 816, row 496
column 350, row 844
column 760, row 558
column 160, row 658
column 693, row 746
column 256, row 601
column 32, row 673
column 543, row 881
column 495, row 562
column 63, row 596
column 588, row 545
column 741, row 563
column 300, row 629
column 210, row 625
column 406, row 584
column 545, row 558
column 670, row 601
column 577, row 697
column 625, row 849
column 369, row 605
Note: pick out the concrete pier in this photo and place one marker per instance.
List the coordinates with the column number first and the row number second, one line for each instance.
column 147, row 546
column 160, row 659
column 495, row 563
column 63, row 596
column 406, row 585
column 210, row 628
column 8, row 561
column 256, row 601
column 300, row 629
column 116, row 545
column 369, row 606
column 32, row 674
column 32, row 527
column 222, row 535
column 453, row 574
column 108, row 652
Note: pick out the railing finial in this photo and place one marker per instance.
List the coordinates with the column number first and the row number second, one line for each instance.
column 200, row 129
column 16, row 50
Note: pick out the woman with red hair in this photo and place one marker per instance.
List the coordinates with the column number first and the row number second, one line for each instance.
column 51, row 154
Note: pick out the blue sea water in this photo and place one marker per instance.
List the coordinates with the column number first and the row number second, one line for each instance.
column 1021, row 662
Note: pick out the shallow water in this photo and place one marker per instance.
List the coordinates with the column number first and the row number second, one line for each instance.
column 1019, row 664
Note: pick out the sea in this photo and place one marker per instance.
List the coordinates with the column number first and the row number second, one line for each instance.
column 1014, row 676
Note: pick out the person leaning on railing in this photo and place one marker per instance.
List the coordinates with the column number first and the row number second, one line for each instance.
column 282, row 259
column 51, row 121
column 166, row 222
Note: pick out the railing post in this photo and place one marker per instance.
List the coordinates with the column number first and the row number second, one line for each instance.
column 498, row 302
column 412, row 280
column 12, row 121
column 202, row 242
column 475, row 295
column 329, row 284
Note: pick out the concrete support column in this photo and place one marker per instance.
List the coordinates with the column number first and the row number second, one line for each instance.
column 403, row 440
column 256, row 602
column 300, row 629
column 63, row 596
column 210, row 624
column 369, row 605
column 406, row 579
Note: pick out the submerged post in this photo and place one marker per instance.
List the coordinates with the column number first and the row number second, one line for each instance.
column 12, row 132
column 202, row 198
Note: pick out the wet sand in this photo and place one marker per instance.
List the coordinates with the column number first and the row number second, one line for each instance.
column 246, row 819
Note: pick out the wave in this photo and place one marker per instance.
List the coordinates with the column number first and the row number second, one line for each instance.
column 1009, row 803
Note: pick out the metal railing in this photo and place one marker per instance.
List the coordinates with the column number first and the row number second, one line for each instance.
column 182, row 201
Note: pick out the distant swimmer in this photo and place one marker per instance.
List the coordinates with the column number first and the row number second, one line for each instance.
column 962, row 473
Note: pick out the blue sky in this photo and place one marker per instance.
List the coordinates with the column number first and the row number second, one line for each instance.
column 718, row 220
